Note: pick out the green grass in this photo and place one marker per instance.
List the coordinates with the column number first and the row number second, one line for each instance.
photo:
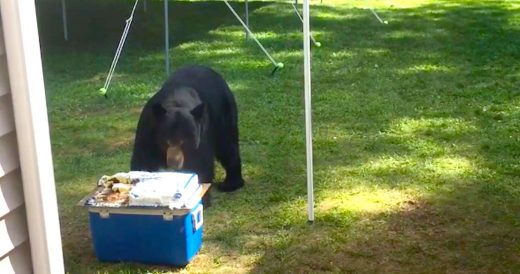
column 416, row 131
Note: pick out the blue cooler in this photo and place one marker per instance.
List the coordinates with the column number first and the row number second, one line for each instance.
column 148, row 229
column 153, row 236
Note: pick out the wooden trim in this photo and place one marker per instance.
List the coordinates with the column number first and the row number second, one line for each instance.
column 32, row 131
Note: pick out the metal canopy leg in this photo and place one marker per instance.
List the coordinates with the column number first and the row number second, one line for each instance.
column 316, row 43
column 64, row 20
column 247, row 18
column 377, row 17
column 166, row 39
column 308, row 109
column 128, row 23
column 277, row 65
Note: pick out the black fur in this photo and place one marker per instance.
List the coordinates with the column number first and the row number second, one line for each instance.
column 196, row 110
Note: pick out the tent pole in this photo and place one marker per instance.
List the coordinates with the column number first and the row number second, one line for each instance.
column 277, row 65
column 166, row 39
column 64, row 19
column 247, row 18
column 308, row 109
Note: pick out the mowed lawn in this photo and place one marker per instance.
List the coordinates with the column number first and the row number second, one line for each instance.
column 416, row 130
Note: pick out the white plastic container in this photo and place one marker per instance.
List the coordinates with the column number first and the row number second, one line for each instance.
column 172, row 189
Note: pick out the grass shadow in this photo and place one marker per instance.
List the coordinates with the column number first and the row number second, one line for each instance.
column 96, row 26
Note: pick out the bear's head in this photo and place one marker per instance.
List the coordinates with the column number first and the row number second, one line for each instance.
column 179, row 132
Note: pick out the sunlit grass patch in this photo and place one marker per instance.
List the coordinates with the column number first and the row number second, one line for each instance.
column 405, row 172
column 343, row 55
column 381, row 3
column 326, row 14
column 405, row 34
column 432, row 126
column 453, row 167
column 227, row 35
column 362, row 201
column 426, row 68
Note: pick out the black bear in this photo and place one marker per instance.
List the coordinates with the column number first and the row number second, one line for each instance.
column 189, row 122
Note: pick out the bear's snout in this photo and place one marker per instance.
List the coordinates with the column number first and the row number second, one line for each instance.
column 174, row 157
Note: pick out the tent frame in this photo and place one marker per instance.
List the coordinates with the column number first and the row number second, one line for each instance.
column 166, row 29
column 307, row 84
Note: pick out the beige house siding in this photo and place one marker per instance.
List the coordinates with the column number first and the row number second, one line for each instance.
column 14, row 240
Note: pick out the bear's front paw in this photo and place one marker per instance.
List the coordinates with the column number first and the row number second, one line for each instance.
column 229, row 186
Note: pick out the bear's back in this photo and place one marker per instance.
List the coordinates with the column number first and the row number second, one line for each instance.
column 211, row 88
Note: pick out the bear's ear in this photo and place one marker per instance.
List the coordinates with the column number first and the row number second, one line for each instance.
column 198, row 111
column 158, row 110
